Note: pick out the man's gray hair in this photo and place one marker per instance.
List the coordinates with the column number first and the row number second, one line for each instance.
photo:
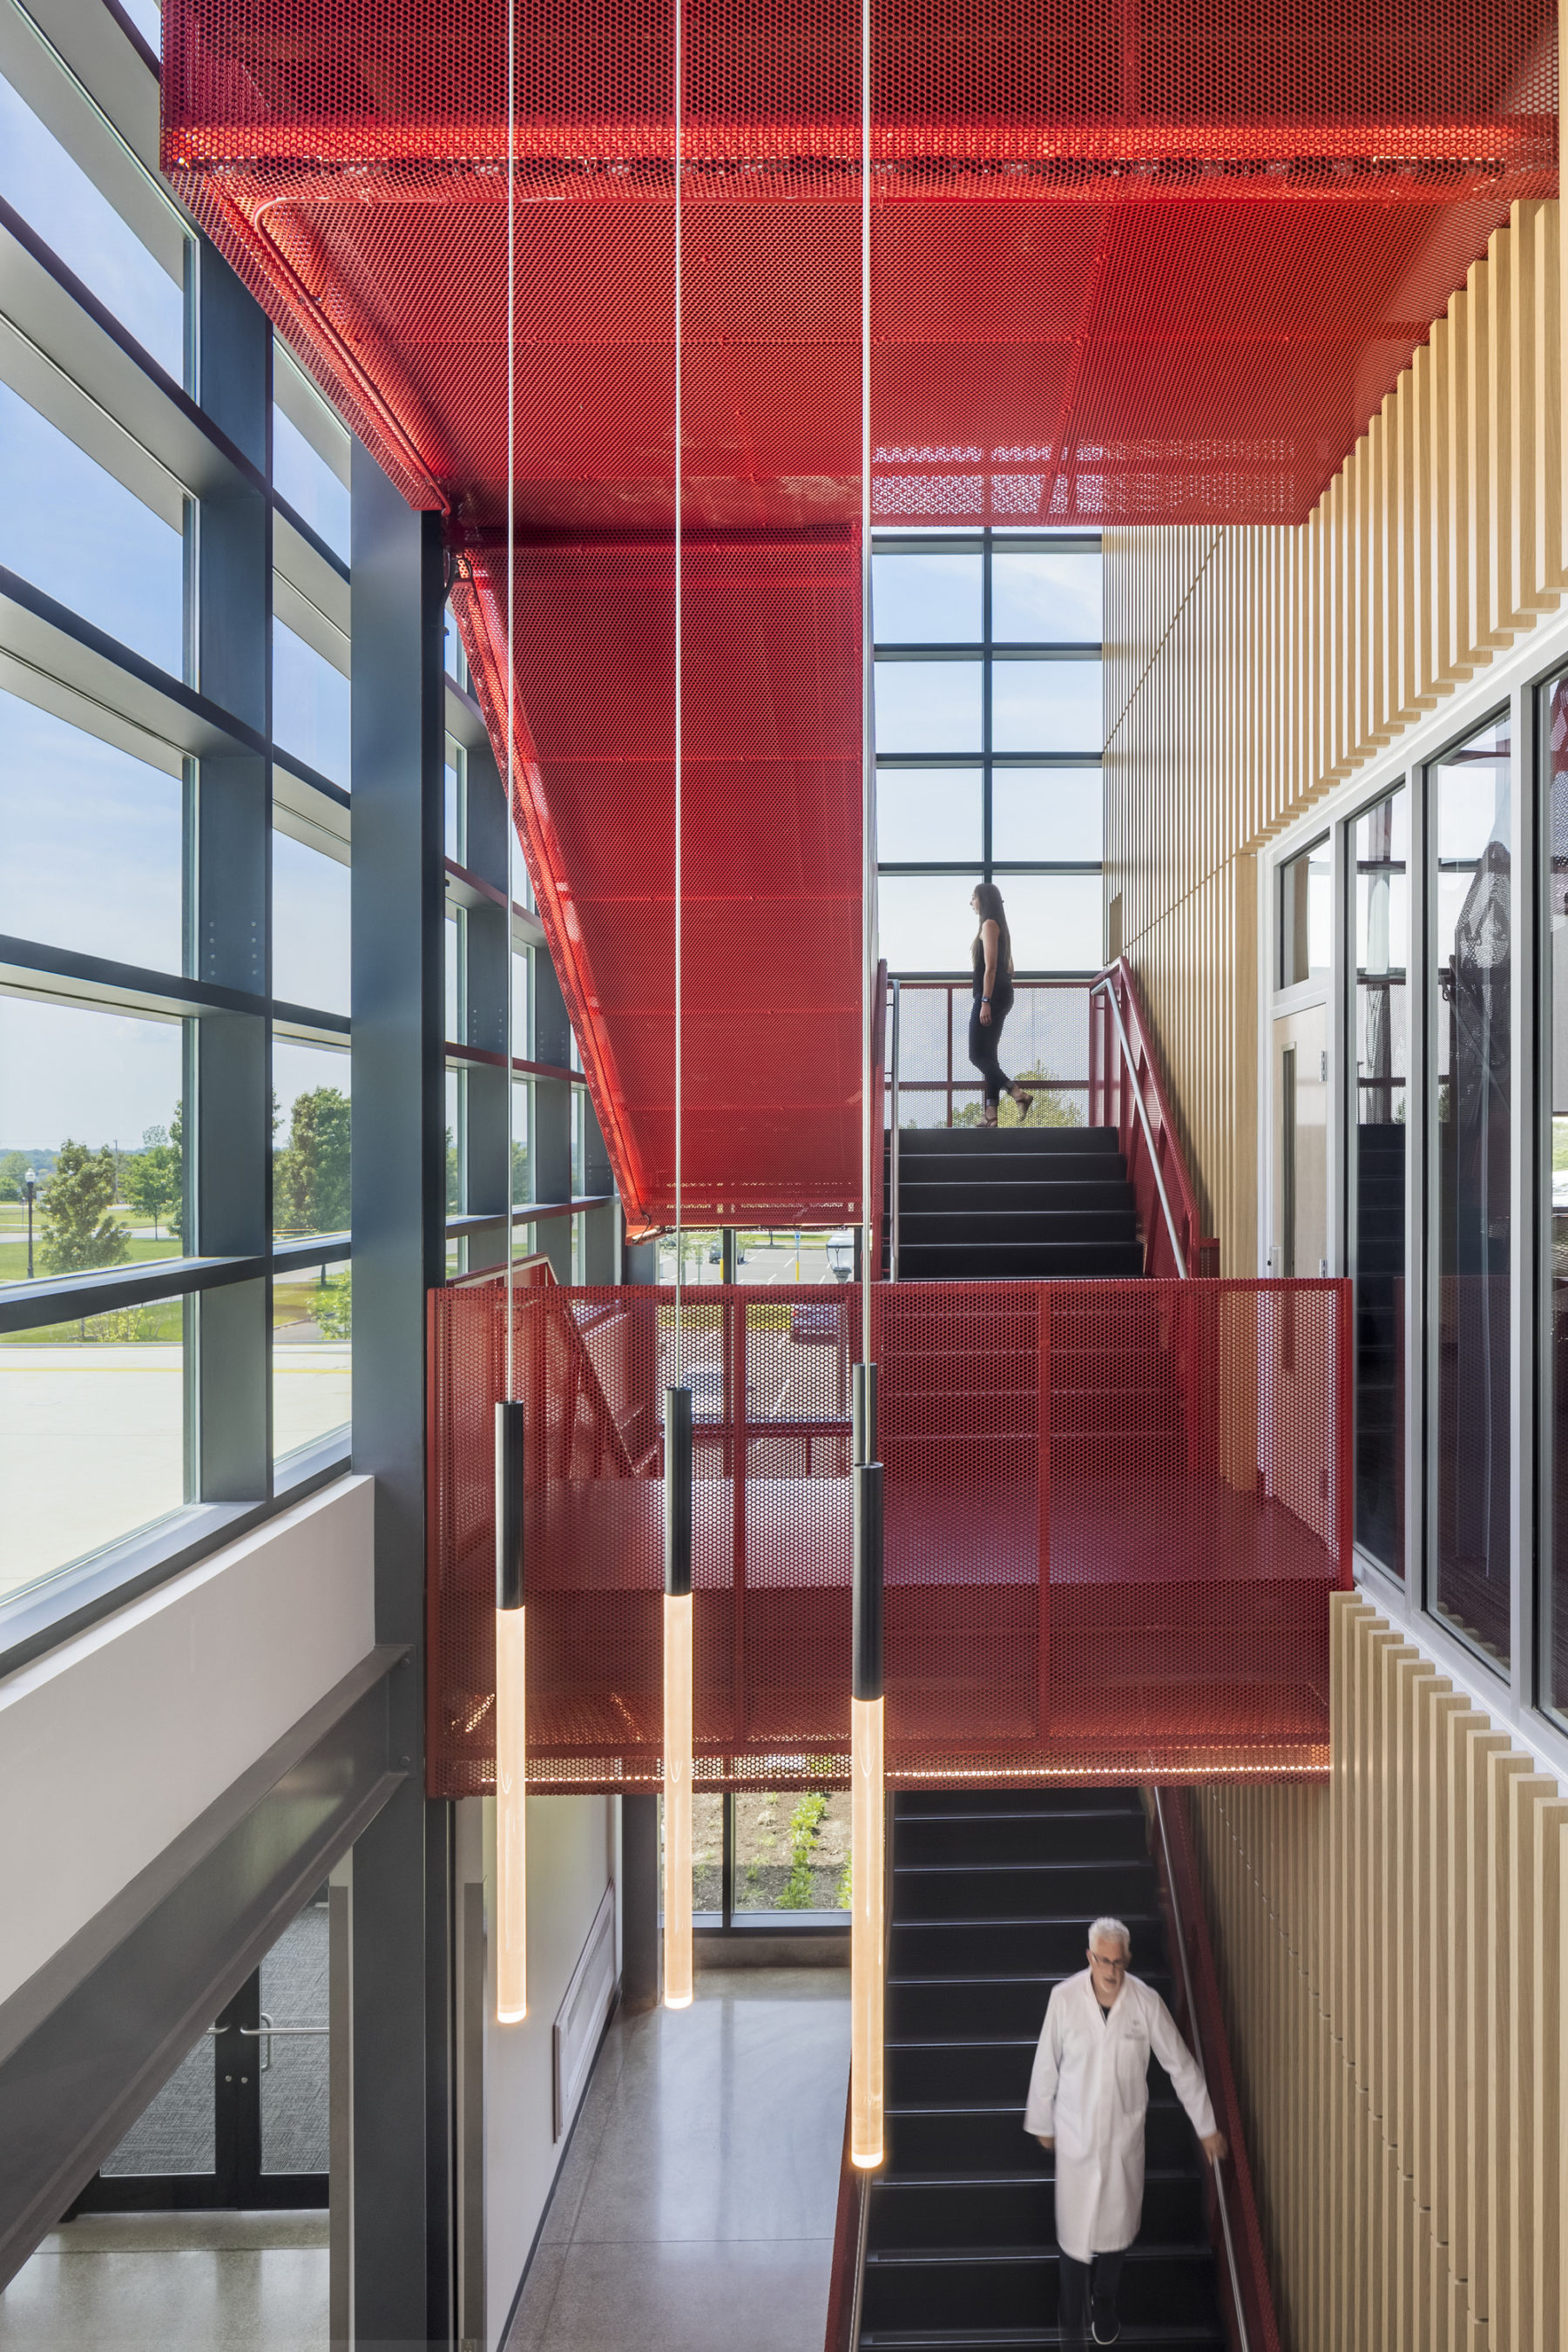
column 1109, row 1927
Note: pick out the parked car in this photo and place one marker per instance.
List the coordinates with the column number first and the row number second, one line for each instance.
column 716, row 1251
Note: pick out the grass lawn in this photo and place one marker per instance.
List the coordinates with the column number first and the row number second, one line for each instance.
column 13, row 1251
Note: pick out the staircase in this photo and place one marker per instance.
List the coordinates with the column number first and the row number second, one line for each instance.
column 1032, row 1204
column 992, row 1894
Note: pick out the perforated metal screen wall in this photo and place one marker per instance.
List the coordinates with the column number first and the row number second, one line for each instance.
column 1133, row 260
column 1131, row 1584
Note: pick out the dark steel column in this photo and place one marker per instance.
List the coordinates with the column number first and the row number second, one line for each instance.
column 402, row 1889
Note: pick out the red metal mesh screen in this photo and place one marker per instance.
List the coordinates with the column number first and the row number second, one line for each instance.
column 1130, row 261
column 1132, row 1584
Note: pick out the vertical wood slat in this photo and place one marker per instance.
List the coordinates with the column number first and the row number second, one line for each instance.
column 1248, row 669
column 1411, row 2181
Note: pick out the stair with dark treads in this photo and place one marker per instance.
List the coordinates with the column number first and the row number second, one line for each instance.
column 1030, row 1203
column 992, row 1894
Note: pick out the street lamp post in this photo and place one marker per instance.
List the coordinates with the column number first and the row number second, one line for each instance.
column 29, row 1193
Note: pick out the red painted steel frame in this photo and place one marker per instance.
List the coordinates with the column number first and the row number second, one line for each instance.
column 1114, row 1514
column 1130, row 261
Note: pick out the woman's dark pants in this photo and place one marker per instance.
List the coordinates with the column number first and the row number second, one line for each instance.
column 1084, row 2287
column 982, row 1044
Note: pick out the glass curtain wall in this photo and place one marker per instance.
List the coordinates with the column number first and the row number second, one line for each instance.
column 1552, row 1097
column 989, row 729
column 1379, row 931
column 1470, row 1081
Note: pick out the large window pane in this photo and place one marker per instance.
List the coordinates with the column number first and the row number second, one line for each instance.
column 310, row 1140
column 310, row 706
column 303, row 477
column 80, row 536
column 91, row 1102
column 310, row 926
column 1056, row 920
column 92, row 851
column 1053, row 816
column 932, row 707
column 1471, row 1019
column 92, row 1435
column 926, row 921
column 1380, row 920
column 1046, row 706
column 1306, row 916
column 924, row 814
column 1045, row 596
column 313, row 1355
column 55, row 196
column 927, row 600
column 1554, row 1086
column 792, row 1851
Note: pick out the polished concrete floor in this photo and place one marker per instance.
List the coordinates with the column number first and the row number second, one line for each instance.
column 695, row 2209
column 174, row 2282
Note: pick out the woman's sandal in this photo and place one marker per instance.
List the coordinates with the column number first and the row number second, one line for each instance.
column 988, row 1115
column 1022, row 1102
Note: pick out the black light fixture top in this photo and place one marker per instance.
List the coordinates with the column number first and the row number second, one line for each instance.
column 510, row 1417
column 676, row 1493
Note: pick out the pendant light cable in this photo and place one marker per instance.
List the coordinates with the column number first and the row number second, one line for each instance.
column 871, row 1121
column 510, row 666
column 679, row 5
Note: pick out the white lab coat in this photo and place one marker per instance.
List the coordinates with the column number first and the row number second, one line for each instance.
column 1089, row 2091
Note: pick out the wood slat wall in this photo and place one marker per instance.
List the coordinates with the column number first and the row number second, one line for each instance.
column 1391, row 1954
column 1249, row 670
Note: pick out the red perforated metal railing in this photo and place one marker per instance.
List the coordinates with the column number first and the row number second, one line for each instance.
column 1114, row 1514
column 1125, row 1092
column 1130, row 261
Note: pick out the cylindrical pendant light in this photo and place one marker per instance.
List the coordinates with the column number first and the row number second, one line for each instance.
column 511, row 1740
column 677, row 1697
column 868, row 1940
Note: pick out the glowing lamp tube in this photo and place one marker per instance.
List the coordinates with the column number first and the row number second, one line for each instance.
column 868, row 1933
column 677, row 1699
column 511, row 1742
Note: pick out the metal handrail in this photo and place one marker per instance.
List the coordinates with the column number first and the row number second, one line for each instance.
column 893, row 1151
column 1196, row 2033
column 1106, row 986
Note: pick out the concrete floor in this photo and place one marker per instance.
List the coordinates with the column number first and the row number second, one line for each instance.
column 174, row 2282
column 695, row 2209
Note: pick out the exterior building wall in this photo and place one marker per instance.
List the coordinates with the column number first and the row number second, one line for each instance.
column 1391, row 1954
column 1249, row 670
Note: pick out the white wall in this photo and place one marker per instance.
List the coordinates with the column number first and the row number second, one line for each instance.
column 117, row 1740
column 572, row 1846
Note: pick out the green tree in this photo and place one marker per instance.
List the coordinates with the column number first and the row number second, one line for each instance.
column 1047, row 1110
column 334, row 1307
column 14, row 1166
column 310, row 1174
column 153, row 1177
column 519, row 1172
column 454, row 1178
column 76, row 1228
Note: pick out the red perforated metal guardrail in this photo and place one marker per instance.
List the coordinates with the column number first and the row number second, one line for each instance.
column 1114, row 1514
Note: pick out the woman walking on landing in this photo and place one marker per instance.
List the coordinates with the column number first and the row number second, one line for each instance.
column 993, row 999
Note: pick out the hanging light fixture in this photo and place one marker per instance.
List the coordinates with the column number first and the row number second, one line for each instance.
column 868, row 1939
column 511, row 1740
column 677, row 1697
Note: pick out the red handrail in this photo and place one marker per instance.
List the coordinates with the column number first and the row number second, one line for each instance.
column 1123, row 1080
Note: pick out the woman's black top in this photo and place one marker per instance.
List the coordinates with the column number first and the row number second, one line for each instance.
column 1001, row 994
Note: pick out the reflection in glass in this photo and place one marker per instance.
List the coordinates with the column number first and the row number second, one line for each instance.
column 932, row 707
column 926, row 921
column 1471, row 1015
column 1046, row 706
column 311, row 1143
column 93, row 842
column 1381, row 927
column 453, row 812
column 1058, row 920
column 80, row 536
column 1053, row 816
column 302, row 476
column 54, row 195
column 522, row 1169
column 924, row 814
column 310, row 926
column 1306, row 916
column 92, row 1435
column 313, row 1355
column 1045, row 596
column 926, row 600
column 310, row 706
column 1554, row 1050
column 90, row 1102
column 294, row 2066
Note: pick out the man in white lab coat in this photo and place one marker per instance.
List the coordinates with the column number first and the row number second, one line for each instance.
column 1088, row 2095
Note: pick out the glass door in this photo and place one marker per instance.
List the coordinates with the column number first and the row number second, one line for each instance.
column 1379, row 932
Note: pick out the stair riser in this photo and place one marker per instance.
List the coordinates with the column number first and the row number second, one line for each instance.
column 1060, row 1837
column 1172, row 2288
column 914, row 2215
column 969, row 2009
column 960, row 2142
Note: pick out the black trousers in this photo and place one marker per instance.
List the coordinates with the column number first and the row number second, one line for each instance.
column 1085, row 2286
column 983, row 1041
